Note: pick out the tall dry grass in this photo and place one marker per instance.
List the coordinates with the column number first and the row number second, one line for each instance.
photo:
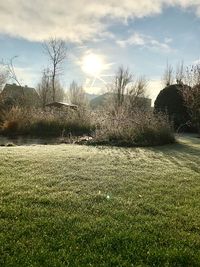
column 38, row 122
column 121, row 126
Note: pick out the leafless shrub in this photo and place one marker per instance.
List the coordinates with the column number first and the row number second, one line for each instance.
column 168, row 76
column 125, row 92
column 192, row 75
column 191, row 93
column 141, row 128
column 124, row 121
column 44, row 89
column 3, row 76
column 10, row 71
column 191, row 96
column 77, row 96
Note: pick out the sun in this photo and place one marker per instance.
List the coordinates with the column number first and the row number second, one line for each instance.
column 92, row 64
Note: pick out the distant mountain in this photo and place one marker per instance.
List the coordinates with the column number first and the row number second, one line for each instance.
column 91, row 96
column 99, row 100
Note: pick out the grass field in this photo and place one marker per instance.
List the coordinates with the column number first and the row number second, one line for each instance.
column 69, row 205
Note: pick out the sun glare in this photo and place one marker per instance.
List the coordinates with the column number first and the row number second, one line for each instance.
column 92, row 64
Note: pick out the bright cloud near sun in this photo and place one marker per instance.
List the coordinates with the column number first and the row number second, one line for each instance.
column 77, row 20
column 92, row 64
column 142, row 35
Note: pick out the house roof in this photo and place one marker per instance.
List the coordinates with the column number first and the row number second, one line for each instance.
column 14, row 90
column 20, row 93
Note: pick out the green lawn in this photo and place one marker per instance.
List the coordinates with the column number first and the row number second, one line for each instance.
column 69, row 205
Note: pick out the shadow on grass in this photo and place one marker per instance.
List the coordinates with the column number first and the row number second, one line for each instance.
column 185, row 144
column 184, row 153
column 189, row 144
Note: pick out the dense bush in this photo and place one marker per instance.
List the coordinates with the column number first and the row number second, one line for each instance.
column 170, row 101
column 110, row 127
column 36, row 122
column 137, row 129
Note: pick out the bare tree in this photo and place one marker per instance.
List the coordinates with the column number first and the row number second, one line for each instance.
column 44, row 88
column 119, row 88
column 56, row 51
column 11, row 75
column 138, row 88
column 191, row 93
column 191, row 96
column 3, row 76
column 76, row 95
column 192, row 75
column 10, row 70
column 180, row 73
column 60, row 93
column 137, row 93
column 126, row 93
column 168, row 77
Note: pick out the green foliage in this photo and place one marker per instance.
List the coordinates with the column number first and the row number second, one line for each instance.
column 71, row 205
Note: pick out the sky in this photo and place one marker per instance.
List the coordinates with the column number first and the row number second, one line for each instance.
column 101, row 36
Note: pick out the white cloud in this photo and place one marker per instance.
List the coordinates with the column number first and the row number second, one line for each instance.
column 196, row 62
column 93, row 90
column 26, row 76
column 147, row 41
column 76, row 20
column 135, row 39
column 168, row 40
column 154, row 87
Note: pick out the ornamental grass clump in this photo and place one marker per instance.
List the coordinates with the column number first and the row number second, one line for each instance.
column 43, row 123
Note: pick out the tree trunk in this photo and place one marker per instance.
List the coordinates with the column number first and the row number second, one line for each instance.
column 53, row 86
